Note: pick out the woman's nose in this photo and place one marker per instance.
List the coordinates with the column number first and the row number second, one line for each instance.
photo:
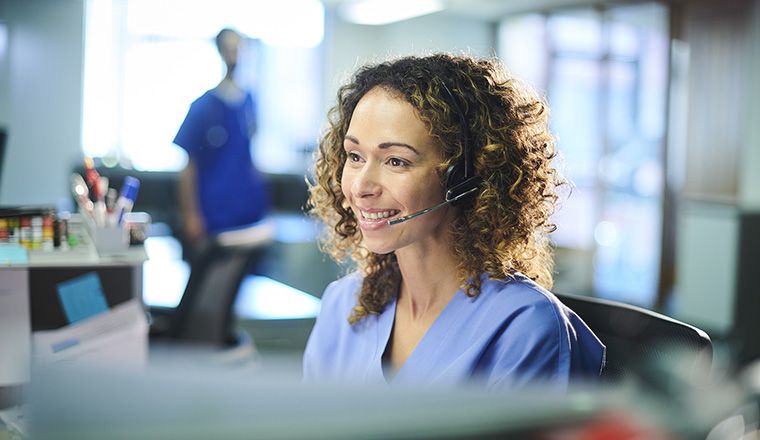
column 367, row 182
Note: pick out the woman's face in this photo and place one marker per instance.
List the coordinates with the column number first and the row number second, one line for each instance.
column 390, row 172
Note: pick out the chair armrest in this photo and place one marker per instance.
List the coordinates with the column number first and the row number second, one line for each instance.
column 252, row 236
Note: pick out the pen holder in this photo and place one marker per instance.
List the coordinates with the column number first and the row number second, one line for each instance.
column 110, row 239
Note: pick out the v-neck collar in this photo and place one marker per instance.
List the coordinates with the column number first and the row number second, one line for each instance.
column 432, row 341
column 227, row 104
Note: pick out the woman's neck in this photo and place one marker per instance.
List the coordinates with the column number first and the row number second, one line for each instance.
column 428, row 277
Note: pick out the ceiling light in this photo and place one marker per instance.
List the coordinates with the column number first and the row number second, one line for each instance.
column 377, row 12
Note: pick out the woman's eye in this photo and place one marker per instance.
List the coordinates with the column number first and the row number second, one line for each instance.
column 353, row 157
column 396, row 162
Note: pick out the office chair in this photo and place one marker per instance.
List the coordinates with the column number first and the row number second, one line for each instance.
column 205, row 314
column 636, row 337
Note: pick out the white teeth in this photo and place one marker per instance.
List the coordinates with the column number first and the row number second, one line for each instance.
column 378, row 215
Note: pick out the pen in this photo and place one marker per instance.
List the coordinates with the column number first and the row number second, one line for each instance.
column 111, row 197
column 81, row 194
column 99, row 191
column 92, row 177
column 126, row 199
column 93, row 181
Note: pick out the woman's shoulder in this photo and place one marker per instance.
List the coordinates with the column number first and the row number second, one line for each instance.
column 520, row 292
column 342, row 293
column 519, row 302
column 539, row 312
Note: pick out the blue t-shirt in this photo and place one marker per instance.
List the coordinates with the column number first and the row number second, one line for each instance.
column 513, row 334
column 217, row 136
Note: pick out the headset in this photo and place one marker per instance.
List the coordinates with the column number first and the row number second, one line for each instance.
column 461, row 181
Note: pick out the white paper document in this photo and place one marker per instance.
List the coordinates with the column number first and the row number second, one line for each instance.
column 117, row 338
column 15, row 326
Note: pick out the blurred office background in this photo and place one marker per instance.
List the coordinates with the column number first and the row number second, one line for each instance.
column 655, row 105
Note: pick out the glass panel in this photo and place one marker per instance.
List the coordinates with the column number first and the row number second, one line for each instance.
column 99, row 112
column 653, row 71
column 607, row 89
column 272, row 22
column 631, row 24
column 624, row 40
column 621, row 101
column 574, row 240
column 574, row 90
column 522, row 47
column 290, row 114
column 628, row 235
column 142, row 72
column 577, row 30
column 157, row 94
column 627, row 260
column 576, row 218
column 617, row 166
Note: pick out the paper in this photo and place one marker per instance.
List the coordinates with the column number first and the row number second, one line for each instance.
column 116, row 338
column 15, row 326
column 13, row 254
column 15, row 420
column 82, row 297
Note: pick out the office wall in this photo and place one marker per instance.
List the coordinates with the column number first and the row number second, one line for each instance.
column 348, row 45
column 722, row 158
column 41, row 95
column 749, row 179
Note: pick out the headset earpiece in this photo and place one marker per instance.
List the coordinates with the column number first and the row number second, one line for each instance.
column 459, row 188
column 461, row 181
column 454, row 174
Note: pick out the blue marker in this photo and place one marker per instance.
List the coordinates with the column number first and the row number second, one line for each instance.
column 126, row 199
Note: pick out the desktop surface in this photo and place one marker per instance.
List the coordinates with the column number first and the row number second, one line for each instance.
column 260, row 297
column 195, row 403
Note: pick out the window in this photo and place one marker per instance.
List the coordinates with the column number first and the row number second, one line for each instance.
column 146, row 61
column 604, row 72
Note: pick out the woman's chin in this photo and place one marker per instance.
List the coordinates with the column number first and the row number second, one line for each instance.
column 378, row 248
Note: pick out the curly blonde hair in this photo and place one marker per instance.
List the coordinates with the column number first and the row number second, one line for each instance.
column 504, row 229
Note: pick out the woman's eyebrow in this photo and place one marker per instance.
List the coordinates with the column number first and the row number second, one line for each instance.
column 384, row 145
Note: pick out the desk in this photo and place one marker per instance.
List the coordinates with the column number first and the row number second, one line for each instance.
column 29, row 301
column 278, row 315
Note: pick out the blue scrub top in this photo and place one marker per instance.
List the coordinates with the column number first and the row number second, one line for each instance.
column 217, row 136
column 513, row 334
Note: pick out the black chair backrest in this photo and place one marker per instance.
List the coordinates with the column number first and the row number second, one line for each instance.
column 636, row 337
column 205, row 314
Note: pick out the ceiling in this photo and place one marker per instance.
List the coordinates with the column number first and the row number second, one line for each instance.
column 496, row 9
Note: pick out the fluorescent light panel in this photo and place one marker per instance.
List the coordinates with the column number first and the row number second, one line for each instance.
column 378, row 12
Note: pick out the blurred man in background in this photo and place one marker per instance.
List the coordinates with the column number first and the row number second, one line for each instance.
column 220, row 188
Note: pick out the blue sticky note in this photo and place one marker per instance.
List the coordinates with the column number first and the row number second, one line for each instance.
column 82, row 297
column 13, row 254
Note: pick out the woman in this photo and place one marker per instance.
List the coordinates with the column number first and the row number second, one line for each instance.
column 456, row 293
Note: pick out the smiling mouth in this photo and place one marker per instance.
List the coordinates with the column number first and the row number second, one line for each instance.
column 379, row 216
